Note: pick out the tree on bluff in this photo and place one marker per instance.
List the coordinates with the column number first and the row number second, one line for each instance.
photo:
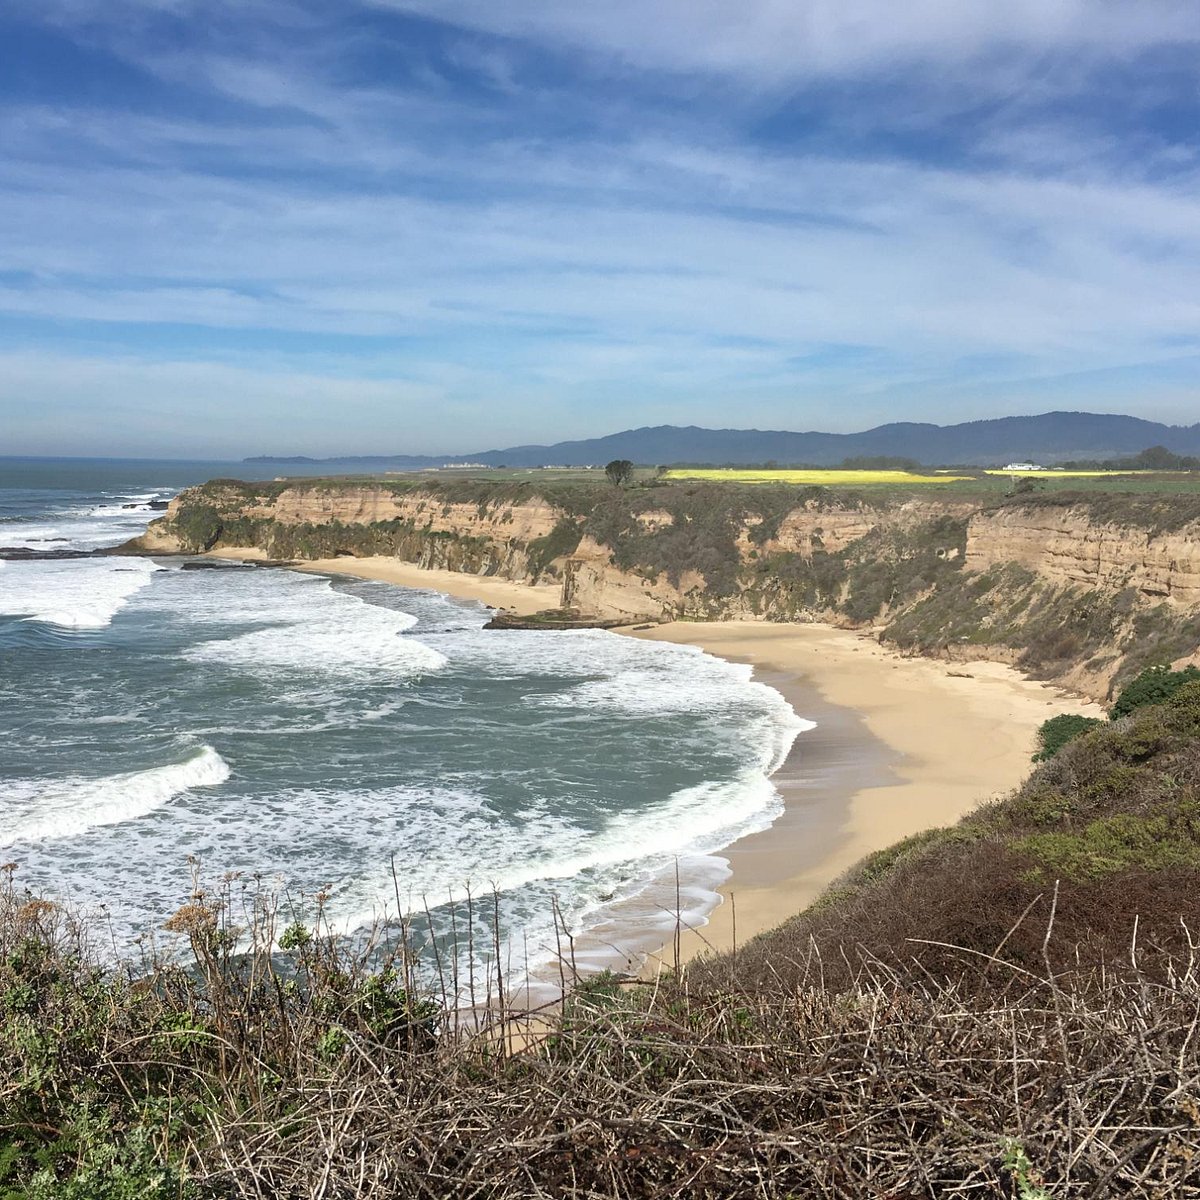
column 619, row 471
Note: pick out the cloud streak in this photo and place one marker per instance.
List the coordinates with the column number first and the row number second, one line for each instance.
column 785, row 40
column 423, row 213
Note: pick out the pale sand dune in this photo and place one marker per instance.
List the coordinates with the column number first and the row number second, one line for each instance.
column 901, row 744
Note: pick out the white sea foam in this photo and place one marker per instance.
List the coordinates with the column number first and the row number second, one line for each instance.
column 36, row 809
column 503, row 783
column 312, row 629
column 84, row 526
column 625, row 871
column 72, row 593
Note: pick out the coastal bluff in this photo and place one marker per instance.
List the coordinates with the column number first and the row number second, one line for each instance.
column 1081, row 590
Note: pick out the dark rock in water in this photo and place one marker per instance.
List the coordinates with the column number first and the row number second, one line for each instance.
column 25, row 554
column 131, row 506
column 559, row 618
column 234, row 564
column 159, row 505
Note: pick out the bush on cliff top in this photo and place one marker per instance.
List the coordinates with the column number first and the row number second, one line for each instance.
column 1055, row 733
column 1152, row 686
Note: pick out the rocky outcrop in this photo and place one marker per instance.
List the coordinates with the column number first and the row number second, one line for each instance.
column 328, row 519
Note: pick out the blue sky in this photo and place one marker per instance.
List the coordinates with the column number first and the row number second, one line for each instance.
column 444, row 225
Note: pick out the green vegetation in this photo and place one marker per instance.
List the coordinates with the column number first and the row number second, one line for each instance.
column 1155, row 685
column 674, row 528
column 109, row 1080
column 1155, row 458
column 1152, row 686
column 1055, row 733
column 1048, row 629
column 561, row 542
column 619, row 471
column 198, row 527
column 1167, row 840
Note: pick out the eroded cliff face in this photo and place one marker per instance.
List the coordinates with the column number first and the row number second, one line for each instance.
column 1069, row 547
column 331, row 520
column 1068, row 593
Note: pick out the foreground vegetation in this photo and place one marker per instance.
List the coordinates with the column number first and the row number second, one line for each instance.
column 1008, row 1008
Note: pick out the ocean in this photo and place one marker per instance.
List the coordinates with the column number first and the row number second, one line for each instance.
column 369, row 743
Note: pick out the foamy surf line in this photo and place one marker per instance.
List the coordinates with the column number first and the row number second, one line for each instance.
column 313, row 628
column 635, row 899
column 39, row 810
column 72, row 593
column 713, row 815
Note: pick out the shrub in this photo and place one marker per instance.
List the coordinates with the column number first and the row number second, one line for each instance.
column 1055, row 733
column 561, row 541
column 198, row 527
column 1170, row 839
column 1152, row 686
column 1185, row 705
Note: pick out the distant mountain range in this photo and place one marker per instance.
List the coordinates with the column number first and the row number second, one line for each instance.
column 1048, row 438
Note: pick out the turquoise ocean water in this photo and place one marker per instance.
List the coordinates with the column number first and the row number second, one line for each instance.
column 314, row 733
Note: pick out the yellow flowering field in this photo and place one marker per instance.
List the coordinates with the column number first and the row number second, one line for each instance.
column 830, row 477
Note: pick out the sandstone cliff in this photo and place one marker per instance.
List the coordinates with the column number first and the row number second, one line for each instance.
column 1083, row 592
column 1068, row 546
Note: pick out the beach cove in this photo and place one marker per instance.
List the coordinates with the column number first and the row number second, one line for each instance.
column 901, row 745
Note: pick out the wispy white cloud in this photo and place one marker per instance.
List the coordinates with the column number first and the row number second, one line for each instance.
column 402, row 245
column 788, row 39
column 815, row 249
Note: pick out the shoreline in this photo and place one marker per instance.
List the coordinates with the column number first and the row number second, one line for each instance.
column 521, row 599
column 901, row 745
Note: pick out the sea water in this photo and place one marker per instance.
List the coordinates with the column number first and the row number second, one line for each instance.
column 371, row 743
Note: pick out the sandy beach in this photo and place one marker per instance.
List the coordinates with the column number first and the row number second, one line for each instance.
column 900, row 745
column 519, row 598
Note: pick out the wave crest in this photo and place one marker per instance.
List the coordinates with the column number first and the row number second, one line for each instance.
column 61, row 808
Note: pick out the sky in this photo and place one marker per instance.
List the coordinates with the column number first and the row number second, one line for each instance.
column 425, row 226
